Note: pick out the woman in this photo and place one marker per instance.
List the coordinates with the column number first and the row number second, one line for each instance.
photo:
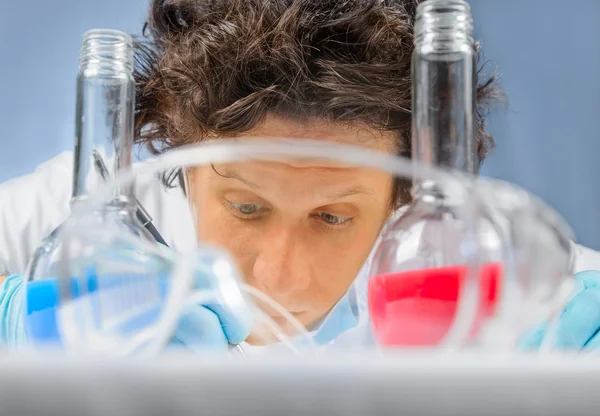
column 326, row 70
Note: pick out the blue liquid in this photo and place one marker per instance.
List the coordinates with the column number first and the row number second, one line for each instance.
column 43, row 300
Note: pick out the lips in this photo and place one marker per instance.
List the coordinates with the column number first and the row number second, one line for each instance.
column 277, row 317
column 276, row 314
column 294, row 310
column 284, row 321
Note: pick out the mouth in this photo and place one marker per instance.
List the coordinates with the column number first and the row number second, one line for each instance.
column 277, row 317
column 271, row 311
column 286, row 324
column 293, row 313
column 274, row 313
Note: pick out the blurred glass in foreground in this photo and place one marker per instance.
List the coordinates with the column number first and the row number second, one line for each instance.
column 416, row 295
column 103, row 139
column 286, row 260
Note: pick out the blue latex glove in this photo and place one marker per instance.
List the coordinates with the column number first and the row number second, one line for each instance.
column 209, row 327
column 579, row 325
column 201, row 327
column 12, row 328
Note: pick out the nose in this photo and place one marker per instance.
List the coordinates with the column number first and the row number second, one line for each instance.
column 280, row 266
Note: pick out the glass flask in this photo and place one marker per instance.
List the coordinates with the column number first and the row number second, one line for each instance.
column 298, row 176
column 103, row 139
column 538, row 271
column 524, row 276
column 414, row 295
column 120, row 295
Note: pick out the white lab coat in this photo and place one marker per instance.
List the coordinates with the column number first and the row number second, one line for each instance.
column 33, row 205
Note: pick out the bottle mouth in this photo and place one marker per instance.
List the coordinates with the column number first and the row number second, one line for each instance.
column 444, row 21
column 110, row 50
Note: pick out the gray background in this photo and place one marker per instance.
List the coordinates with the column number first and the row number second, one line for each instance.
column 547, row 51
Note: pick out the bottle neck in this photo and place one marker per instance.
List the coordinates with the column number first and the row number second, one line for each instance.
column 104, row 114
column 444, row 86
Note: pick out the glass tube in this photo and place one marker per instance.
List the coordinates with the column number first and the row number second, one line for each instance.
column 104, row 112
column 444, row 78
column 103, row 138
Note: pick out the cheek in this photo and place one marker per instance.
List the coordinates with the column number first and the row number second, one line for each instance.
column 339, row 260
column 335, row 263
column 216, row 226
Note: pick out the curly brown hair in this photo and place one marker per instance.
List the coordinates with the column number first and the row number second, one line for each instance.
column 211, row 68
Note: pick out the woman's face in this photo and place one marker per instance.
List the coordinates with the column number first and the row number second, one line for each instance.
column 299, row 231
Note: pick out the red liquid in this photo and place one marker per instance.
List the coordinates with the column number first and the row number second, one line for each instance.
column 416, row 308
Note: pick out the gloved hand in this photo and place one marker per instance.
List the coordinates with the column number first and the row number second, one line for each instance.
column 579, row 325
column 200, row 328
column 209, row 327
column 12, row 329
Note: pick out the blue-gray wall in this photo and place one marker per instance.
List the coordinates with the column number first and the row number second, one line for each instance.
column 548, row 140
column 547, row 51
column 39, row 49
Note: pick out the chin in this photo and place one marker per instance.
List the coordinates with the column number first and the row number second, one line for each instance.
column 263, row 335
column 257, row 338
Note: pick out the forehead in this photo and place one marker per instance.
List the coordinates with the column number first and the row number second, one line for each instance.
column 296, row 179
column 298, row 184
column 345, row 133
column 291, row 172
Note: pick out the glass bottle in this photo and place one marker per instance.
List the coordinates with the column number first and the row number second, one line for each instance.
column 100, row 282
column 103, row 138
column 427, row 247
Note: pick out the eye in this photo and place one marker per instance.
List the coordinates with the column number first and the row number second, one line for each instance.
column 331, row 219
column 246, row 209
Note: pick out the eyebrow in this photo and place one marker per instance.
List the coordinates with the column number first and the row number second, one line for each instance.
column 232, row 174
column 354, row 190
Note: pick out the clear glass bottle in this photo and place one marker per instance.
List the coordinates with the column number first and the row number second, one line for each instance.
column 103, row 138
column 444, row 86
column 430, row 234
